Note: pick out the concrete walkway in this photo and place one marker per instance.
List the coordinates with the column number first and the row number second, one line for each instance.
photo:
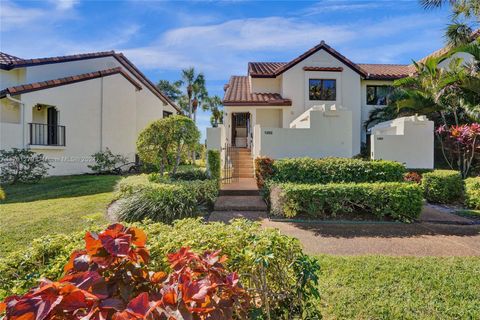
column 439, row 233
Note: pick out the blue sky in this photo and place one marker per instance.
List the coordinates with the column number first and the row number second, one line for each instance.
column 219, row 38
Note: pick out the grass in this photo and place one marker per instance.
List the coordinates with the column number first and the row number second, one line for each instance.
column 470, row 212
column 55, row 205
column 379, row 287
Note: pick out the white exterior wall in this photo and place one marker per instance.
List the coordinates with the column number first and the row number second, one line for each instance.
column 329, row 135
column 266, row 85
column 295, row 87
column 79, row 107
column 11, row 78
column 408, row 140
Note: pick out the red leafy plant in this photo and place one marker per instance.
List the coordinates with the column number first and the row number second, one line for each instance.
column 412, row 177
column 109, row 279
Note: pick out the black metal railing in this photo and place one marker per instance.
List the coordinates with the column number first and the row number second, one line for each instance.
column 46, row 135
column 230, row 172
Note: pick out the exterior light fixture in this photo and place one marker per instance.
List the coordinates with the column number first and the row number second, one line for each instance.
column 39, row 107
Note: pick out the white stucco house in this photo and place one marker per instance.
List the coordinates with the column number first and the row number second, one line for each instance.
column 314, row 105
column 71, row 107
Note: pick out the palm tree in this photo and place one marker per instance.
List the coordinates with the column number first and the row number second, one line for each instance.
column 458, row 32
column 170, row 89
column 213, row 104
column 195, row 88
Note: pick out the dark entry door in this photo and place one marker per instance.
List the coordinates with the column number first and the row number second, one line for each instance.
column 240, row 128
column 52, row 122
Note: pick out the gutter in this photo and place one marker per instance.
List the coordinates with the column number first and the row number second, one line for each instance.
column 22, row 115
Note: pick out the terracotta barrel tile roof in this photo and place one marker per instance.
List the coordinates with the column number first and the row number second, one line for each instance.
column 67, row 80
column 328, row 69
column 239, row 93
column 264, row 68
column 386, row 71
column 7, row 59
column 12, row 62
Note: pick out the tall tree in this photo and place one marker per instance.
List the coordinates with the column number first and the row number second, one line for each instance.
column 459, row 31
column 170, row 89
column 213, row 104
column 195, row 88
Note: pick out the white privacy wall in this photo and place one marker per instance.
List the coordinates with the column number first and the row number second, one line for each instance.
column 409, row 140
column 329, row 135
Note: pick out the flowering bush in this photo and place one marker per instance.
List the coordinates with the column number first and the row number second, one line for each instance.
column 109, row 279
column 460, row 145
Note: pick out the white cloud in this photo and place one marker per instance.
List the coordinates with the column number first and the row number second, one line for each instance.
column 65, row 4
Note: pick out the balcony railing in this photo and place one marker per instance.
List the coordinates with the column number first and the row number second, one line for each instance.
column 46, row 135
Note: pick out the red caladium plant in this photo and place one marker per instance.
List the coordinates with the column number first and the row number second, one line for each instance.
column 109, row 279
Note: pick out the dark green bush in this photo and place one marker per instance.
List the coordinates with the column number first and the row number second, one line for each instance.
column 271, row 266
column 336, row 170
column 472, row 193
column 189, row 174
column 213, row 161
column 106, row 161
column 443, row 186
column 397, row 200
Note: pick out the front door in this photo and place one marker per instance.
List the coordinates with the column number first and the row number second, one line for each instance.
column 240, row 129
column 52, row 125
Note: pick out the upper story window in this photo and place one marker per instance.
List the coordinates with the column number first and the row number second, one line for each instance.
column 378, row 95
column 167, row 114
column 322, row 89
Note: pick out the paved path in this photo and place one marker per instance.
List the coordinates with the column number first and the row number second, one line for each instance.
column 439, row 234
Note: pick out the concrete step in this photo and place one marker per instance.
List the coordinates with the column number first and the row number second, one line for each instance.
column 245, row 175
column 239, row 192
column 240, row 203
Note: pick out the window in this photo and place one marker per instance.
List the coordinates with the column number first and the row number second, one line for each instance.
column 322, row 89
column 166, row 114
column 378, row 95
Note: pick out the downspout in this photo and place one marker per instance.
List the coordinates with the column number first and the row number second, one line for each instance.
column 22, row 115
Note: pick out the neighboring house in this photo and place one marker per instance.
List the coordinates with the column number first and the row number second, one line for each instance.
column 71, row 107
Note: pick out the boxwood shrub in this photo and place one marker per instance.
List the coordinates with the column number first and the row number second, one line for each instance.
column 472, row 193
column 396, row 200
column 189, row 174
column 214, row 166
column 336, row 170
column 271, row 266
column 443, row 186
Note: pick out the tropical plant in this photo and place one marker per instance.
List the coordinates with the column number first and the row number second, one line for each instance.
column 195, row 89
column 170, row 89
column 459, row 31
column 22, row 165
column 213, row 104
column 109, row 279
column 106, row 161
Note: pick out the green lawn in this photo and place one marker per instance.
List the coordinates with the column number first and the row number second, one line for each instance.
column 55, row 205
column 367, row 287
column 377, row 287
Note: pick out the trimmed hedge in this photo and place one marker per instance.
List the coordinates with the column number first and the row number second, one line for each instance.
column 213, row 161
column 396, row 200
column 472, row 193
column 443, row 186
column 336, row 170
column 270, row 265
column 189, row 174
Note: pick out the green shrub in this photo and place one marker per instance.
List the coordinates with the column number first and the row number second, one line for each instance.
column 472, row 193
column 213, row 159
column 336, row 170
column 271, row 265
column 189, row 174
column 141, row 197
column 22, row 165
column 397, row 200
column 106, row 161
column 442, row 186
column 2, row 194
